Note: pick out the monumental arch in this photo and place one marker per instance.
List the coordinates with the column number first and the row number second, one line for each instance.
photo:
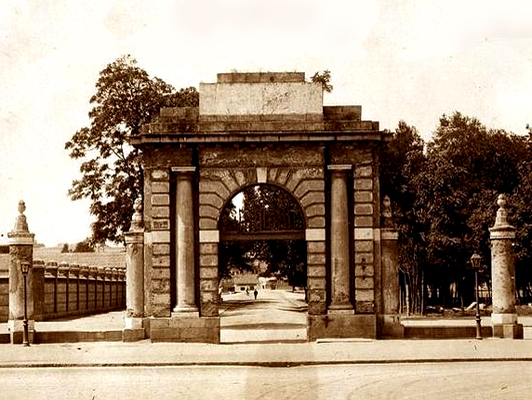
column 263, row 128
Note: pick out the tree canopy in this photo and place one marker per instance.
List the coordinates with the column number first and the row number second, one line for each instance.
column 324, row 78
column 126, row 98
column 444, row 194
column 264, row 208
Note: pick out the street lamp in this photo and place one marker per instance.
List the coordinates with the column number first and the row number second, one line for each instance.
column 475, row 262
column 25, row 268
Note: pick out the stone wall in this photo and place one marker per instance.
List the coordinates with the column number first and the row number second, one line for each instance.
column 63, row 289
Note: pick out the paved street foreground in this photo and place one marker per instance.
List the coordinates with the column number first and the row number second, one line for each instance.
column 263, row 356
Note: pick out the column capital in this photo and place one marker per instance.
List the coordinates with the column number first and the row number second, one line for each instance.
column 183, row 170
column 339, row 167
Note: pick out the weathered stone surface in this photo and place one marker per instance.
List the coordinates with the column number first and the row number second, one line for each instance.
column 317, row 283
column 208, row 260
column 160, row 273
column 364, row 246
column 317, row 308
column 209, row 211
column 363, row 196
column 160, row 224
column 315, row 210
column 165, row 157
column 209, row 186
column 303, row 174
column 309, row 185
column 207, row 224
column 316, row 296
column 161, row 261
column 211, row 199
column 208, row 248
column 316, row 258
column 161, row 249
column 316, row 271
column 208, row 285
column 316, row 222
column 363, row 283
column 160, row 199
column 209, row 273
column 159, row 174
column 342, row 326
column 363, row 221
column 160, row 237
column 363, row 184
column 363, row 209
column 312, row 198
column 160, row 187
column 364, row 270
column 160, row 285
column 347, row 153
column 363, row 171
column 160, row 212
column 364, row 294
column 261, row 98
column 209, row 309
column 315, row 247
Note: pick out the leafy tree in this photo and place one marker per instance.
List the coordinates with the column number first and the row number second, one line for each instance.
column 64, row 249
column 324, row 78
column 401, row 162
column 126, row 98
column 445, row 201
column 86, row 246
column 264, row 208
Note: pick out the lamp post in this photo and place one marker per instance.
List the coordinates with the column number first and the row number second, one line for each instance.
column 475, row 262
column 25, row 268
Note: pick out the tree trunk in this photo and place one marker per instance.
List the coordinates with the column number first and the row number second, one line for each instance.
column 407, row 298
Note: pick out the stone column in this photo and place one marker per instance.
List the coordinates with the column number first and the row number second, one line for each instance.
column 340, row 261
column 390, row 325
column 185, row 249
column 504, row 316
column 134, row 326
column 20, row 251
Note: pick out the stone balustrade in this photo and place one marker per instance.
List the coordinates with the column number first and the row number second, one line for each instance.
column 63, row 289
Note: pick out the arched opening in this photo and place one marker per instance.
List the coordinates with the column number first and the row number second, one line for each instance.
column 262, row 267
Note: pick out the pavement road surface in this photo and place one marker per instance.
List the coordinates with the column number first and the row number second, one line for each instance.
column 434, row 381
column 274, row 316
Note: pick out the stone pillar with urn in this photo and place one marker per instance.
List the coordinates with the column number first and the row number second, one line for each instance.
column 134, row 320
column 20, row 297
column 504, row 315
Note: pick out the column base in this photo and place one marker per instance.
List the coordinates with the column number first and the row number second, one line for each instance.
column 133, row 323
column 341, row 309
column 133, row 330
column 341, row 326
column 16, row 331
column 508, row 331
column 390, row 327
column 185, row 311
column 185, row 328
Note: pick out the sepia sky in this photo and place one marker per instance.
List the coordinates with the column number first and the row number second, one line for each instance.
column 411, row 59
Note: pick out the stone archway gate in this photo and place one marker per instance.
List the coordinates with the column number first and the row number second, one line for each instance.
column 253, row 128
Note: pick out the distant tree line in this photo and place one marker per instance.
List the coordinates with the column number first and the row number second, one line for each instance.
column 444, row 196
